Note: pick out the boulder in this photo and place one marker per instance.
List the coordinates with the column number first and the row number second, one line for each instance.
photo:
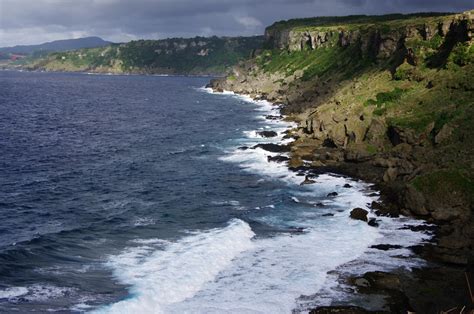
column 267, row 133
column 332, row 194
column 373, row 222
column 359, row 214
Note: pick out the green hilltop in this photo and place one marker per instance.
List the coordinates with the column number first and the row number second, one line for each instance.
column 198, row 55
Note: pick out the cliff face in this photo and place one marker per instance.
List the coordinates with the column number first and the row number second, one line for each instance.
column 391, row 102
column 169, row 56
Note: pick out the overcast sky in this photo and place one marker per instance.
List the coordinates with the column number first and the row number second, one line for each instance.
column 37, row 21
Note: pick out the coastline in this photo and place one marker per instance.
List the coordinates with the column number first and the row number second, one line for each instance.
column 400, row 289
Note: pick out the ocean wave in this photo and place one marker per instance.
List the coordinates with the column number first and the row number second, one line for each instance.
column 163, row 277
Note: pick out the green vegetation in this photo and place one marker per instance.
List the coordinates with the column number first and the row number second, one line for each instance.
column 330, row 21
column 445, row 182
column 183, row 56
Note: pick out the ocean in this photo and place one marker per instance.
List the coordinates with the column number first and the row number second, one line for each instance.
column 146, row 194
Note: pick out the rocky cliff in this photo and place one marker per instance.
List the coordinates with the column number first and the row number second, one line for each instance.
column 389, row 100
column 198, row 55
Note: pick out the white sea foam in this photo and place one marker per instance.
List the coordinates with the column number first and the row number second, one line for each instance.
column 36, row 292
column 160, row 278
column 228, row 270
column 13, row 292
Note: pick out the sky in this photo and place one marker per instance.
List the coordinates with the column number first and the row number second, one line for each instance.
column 38, row 21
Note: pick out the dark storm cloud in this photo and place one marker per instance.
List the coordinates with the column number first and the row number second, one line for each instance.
column 34, row 21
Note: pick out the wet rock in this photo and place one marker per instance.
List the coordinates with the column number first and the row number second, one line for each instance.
column 386, row 211
column 267, row 133
column 386, row 247
column 347, row 186
column 359, row 214
column 373, row 222
column 332, row 194
column 328, row 215
column 278, row 158
column 307, row 180
column 243, row 147
column 273, row 148
column 270, row 117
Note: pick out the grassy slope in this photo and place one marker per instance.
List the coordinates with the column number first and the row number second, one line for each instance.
column 422, row 98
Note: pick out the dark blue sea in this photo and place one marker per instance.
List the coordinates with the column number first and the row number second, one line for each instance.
column 143, row 194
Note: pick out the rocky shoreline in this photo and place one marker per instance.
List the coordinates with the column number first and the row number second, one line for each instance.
column 389, row 103
column 438, row 287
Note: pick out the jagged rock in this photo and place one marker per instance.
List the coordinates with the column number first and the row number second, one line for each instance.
column 307, row 180
column 398, row 135
column 273, row 148
column 359, row 214
column 376, row 132
column 443, row 134
column 278, row 158
column 267, row 133
column 347, row 186
column 415, row 201
column 357, row 153
column 390, row 174
column 373, row 222
column 332, row 194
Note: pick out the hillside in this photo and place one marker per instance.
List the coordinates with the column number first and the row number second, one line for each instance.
column 56, row 46
column 169, row 56
column 389, row 100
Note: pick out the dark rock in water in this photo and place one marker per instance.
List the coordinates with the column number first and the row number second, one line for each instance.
column 243, row 148
column 267, row 133
column 386, row 211
column 386, row 247
column 339, row 310
column 332, row 194
column 420, row 228
column 359, row 214
column 328, row 215
column 278, row 158
column 270, row 117
column 373, row 222
column 347, row 186
column 307, row 180
column 320, row 205
column 273, row 148
column 300, row 174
